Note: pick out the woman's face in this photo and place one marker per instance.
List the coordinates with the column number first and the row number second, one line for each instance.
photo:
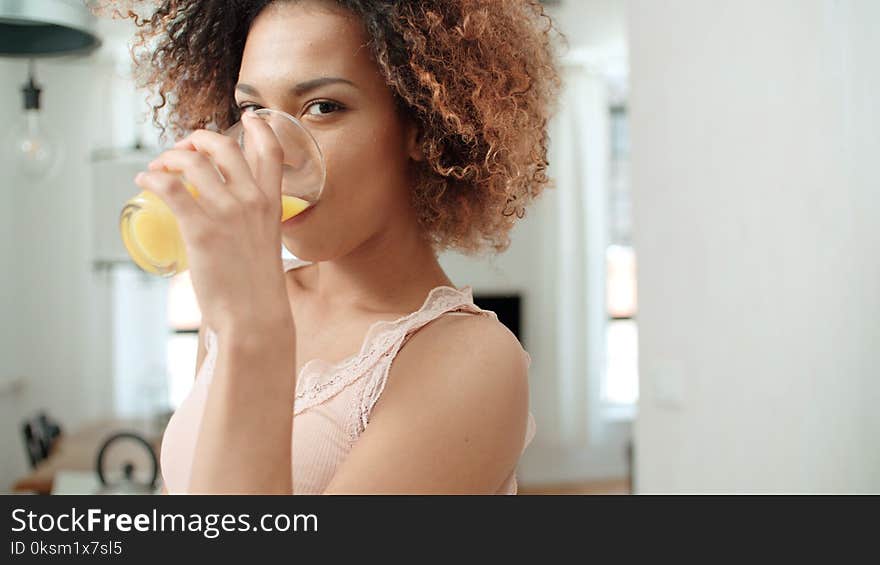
column 351, row 113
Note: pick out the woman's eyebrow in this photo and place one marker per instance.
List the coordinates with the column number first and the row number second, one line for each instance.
column 301, row 88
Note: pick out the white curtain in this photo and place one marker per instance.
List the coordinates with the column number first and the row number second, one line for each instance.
column 579, row 164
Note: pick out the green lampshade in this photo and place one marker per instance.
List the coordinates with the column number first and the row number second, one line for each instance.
column 41, row 28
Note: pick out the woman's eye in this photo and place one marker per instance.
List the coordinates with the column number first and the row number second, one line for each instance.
column 323, row 107
column 243, row 108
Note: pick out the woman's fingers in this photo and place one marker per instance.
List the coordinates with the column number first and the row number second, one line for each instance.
column 169, row 187
column 264, row 155
column 226, row 155
column 199, row 171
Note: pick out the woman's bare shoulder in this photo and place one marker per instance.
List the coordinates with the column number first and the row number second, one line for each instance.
column 456, row 393
column 473, row 354
column 476, row 335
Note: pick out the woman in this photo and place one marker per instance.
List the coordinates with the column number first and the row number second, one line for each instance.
column 360, row 367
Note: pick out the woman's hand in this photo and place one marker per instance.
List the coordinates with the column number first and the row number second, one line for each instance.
column 232, row 233
column 232, row 230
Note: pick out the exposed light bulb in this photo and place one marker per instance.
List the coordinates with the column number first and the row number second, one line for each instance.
column 32, row 146
column 33, row 149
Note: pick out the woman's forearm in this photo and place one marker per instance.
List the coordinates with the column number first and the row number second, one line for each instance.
column 244, row 443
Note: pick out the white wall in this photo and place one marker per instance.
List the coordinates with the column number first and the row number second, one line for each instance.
column 56, row 326
column 595, row 25
column 10, row 444
column 754, row 144
column 47, row 282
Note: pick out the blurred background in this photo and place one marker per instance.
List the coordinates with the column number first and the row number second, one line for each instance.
column 699, row 293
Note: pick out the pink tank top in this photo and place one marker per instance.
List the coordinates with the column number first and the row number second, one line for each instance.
column 333, row 400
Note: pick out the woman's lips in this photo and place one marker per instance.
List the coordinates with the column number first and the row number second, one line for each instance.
column 299, row 216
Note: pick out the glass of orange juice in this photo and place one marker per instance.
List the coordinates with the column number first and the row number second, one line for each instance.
column 150, row 231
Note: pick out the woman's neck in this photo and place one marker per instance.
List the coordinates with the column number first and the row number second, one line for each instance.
column 393, row 270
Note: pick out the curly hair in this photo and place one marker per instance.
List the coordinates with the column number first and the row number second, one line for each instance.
column 480, row 77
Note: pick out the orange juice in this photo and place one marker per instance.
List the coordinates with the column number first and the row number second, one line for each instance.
column 291, row 206
column 152, row 237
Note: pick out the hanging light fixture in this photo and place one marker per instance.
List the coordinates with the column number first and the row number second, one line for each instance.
column 37, row 29
column 33, row 147
column 40, row 28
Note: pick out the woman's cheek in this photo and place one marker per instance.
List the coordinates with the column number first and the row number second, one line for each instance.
column 365, row 179
column 347, row 205
column 355, row 169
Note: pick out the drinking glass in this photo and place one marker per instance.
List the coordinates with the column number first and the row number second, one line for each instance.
column 150, row 231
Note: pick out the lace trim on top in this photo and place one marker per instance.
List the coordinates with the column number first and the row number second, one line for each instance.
column 319, row 380
column 440, row 301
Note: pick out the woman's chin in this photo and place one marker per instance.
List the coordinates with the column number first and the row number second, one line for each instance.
column 305, row 247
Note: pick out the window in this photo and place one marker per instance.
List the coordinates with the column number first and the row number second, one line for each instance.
column 620, row 386
column 184, row 320
column 622, row 373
